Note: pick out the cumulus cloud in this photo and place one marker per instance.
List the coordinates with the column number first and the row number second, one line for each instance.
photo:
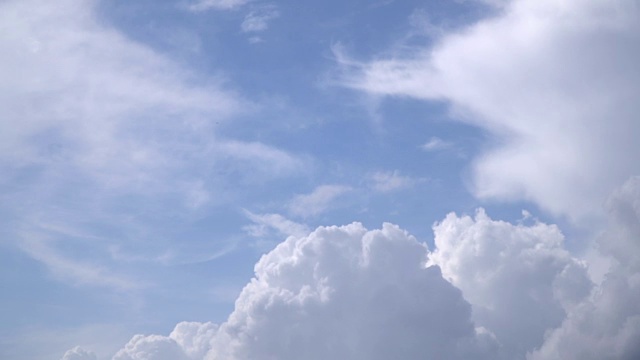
column 552, row 80
column 188, row 341
column 318, row 201
column 78, row 353
column 519, row 279
column 347, row 293
column 337, row 293
column 607, row 324
column 489, row 290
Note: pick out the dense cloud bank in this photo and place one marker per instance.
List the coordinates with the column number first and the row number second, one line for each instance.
column 489, row 290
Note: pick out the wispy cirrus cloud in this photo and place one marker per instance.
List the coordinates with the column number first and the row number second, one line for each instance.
column 317, row 201
column 388, row 181
column 258, row 19
column 436, row 144
column 105, row 135
column 203, row 5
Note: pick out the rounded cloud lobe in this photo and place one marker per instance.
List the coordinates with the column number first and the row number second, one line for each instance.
column 607, row 325
column 347, row 293
column 519, row 279
column 78, row 353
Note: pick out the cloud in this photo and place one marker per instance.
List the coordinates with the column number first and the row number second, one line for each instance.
column 69, row 269
column 103, row 134
column 607, row 324
column 78, row 353
column 435, row 144
column 337, row 293
column 318, row 201
column 265, row 160
column 519, row 279
column 203, row 5
column 347, row 293
column 390, row 181
column 258, row 19
column 550, row 80
column 263, row 223
column 489, row 290
column 187, row 341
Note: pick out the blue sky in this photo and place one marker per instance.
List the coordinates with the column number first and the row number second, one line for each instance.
column 151, row 152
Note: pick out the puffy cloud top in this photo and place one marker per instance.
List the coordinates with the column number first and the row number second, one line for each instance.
column 519, row 279
column 78, row 353
column 338, row 293
column 347, row 293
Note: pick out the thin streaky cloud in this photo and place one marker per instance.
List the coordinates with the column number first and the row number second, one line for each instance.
column 204, row 5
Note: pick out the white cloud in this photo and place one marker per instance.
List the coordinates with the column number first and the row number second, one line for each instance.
column 391, row 181
column 519, row 279
column 607, row 325
column 318, row 201
column 69, row 269
column 258, row 19
column 78, row 353
column 203, row 5
column 347, row 293
column 337, row 293
column 435, row 143
column 92, row 118
column 552, row 79
column 265, row 160
column 263, row 223
column 188, row 341
column 152, row 347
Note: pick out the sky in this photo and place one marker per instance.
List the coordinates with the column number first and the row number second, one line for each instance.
column 249, row 179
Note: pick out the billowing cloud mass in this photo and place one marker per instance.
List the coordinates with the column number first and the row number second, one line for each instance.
column 337, row 293
column 554, row 81
column 519, row 279
column 489, row 290
column 188, row 341
column 347, row 293
column 607, row 325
